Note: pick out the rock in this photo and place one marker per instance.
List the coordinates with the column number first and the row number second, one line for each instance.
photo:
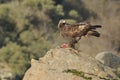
column 68, row 64
column 108, row 59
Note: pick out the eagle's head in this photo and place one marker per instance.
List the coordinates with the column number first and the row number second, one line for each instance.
column 61, row 23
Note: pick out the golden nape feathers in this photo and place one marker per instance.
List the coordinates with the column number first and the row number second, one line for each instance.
column 77, row 30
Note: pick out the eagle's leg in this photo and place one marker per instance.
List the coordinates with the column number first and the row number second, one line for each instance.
column 72, row 43
column 78, row 38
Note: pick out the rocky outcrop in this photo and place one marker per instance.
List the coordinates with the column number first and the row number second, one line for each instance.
column 108, row 59
column 68, row 64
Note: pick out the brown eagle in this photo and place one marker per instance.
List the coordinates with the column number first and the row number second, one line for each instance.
column 77, row 30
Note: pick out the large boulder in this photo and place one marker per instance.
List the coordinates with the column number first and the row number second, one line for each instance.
column 108, row 59
column 68, row 64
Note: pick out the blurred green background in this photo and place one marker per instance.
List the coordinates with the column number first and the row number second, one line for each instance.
column 28, row 29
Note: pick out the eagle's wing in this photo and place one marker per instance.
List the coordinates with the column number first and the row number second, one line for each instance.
column 74, row 30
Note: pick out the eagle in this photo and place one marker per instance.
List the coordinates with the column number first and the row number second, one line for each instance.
column 75, row 31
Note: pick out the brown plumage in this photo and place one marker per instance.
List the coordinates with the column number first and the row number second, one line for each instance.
column 76, row 31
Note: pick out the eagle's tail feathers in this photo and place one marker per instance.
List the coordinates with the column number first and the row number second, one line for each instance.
column 93, row 33
column 95, row 26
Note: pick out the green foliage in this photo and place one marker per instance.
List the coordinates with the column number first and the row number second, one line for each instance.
column 44, row 5
column 74, row 13
column 82, row 74
column 4, row 1
column 27, row 37
column 7, row 25
column 78, row 73
column 4, row 11
column 34, row 44
column 32, row 3
column 16, row 59
column 59, row 10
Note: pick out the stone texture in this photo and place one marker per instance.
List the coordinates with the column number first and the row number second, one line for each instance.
column 108, row 59
column 56, row 61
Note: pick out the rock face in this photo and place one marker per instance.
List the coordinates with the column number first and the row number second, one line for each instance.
column 67, row 64
column 108, row 59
